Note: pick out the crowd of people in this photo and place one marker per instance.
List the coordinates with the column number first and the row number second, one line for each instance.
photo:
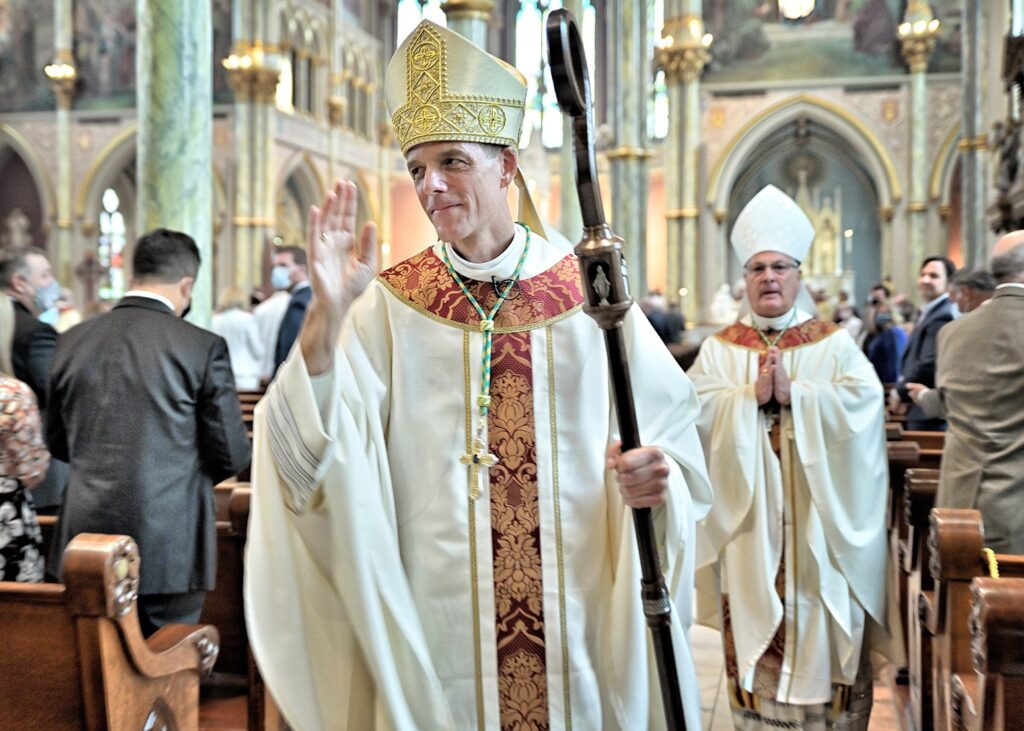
column 440, row 531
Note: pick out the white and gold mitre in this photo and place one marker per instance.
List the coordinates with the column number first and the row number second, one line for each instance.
column 441, row 87
column 772, row 221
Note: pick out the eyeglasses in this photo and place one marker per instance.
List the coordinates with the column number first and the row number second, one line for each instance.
column 779, row 268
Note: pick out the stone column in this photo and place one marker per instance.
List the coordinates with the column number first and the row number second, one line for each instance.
column 384, row 168
column 253, row 74
column 175, row 111
column 974, row 143
column 63, row 76
column 570, row 222
column 682, row 54
column 917, row 35
column 629, row 81
column 469, row 18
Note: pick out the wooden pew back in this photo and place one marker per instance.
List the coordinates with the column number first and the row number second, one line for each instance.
column 74, row 657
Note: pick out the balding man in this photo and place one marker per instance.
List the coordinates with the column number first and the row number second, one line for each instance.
column 980, row 383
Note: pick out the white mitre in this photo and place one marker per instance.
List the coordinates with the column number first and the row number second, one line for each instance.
column 772, row 221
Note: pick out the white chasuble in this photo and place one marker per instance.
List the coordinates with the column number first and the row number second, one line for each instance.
column 818, row 513
column 393, row 582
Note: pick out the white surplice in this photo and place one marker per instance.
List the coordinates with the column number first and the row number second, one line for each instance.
column 359, row 561
column 824, row 503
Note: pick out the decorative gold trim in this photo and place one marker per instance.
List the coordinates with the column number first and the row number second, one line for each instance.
column 468, row 8
column 944, row 210
column 916, row 207
column 718, row 335
column 720, row 215
column 559, row 550
column 941, row 162
column 683, row 213
column 64, row 223
column 625, row 152
column 886, row 213
column 253, row 221
column 714, row 181
column 476, row 327
column 973, row 143
column 474, row 585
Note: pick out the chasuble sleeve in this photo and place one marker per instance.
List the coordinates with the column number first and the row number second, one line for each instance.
column 837, row 417
column 331, row 619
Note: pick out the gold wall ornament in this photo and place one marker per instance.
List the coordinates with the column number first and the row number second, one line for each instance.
column 625, row 152
column 441, row 87
column 63, row 77
column 684, row 49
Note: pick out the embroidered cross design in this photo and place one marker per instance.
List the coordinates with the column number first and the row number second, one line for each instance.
column 474, row 460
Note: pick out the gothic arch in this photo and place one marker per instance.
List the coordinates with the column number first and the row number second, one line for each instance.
column 873, row 153
column 941, row 181
column 10, row 137
column 111, row 161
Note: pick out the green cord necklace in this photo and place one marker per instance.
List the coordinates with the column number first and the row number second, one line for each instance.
column 479, row 456
column 772, row 343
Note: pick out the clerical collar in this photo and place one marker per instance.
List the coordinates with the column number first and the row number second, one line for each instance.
column 795, row 316
column 502, row 267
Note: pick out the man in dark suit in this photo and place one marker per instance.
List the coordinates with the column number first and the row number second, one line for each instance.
column 920, row 355
column 143, row 405
column 26, row 277
column 293, row 259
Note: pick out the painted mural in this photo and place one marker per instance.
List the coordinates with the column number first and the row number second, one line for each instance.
column 757, row 41
column 105, row 46
column 26, row 46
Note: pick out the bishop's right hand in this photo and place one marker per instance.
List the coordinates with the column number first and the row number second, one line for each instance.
column 340, row 270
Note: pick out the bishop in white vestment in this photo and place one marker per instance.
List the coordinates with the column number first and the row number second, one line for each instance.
column 436, row 539
column 793, row 554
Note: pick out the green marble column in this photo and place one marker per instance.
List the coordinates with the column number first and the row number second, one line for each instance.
column 570, row 222
column 629, row 74
column 175, row 106
column 682, row 54
column 62, row 76
column 974, row 148
column 917, row 37
column 469, row 18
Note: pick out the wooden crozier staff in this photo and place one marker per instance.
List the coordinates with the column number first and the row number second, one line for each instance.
column 607, row 301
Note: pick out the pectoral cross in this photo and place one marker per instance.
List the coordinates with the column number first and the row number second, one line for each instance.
column 479, row 456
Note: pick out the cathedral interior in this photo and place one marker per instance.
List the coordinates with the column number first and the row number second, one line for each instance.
column 895, row 124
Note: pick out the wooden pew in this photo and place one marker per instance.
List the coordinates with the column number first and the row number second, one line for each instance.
column 992, row 697
column 956, row 541
column 91, row 668
column 920, row 486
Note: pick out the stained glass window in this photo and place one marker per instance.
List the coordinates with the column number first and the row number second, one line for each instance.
column 411, row 12
column 110, row 250
column 531, row 59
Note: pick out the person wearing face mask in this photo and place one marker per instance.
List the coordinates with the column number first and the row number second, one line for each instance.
column 291, row 259
column 143, row 406
column 269, row 313
column 26, row 276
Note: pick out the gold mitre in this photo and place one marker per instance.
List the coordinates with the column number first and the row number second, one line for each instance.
column 441, row 87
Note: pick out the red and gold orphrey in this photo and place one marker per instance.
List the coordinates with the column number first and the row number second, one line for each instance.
column 424, row 282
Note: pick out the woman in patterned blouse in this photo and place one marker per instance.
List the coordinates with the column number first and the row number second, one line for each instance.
column 23, row 462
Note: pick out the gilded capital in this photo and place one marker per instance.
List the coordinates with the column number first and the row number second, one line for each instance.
column 476, row 9
column 917, row 35
column 253, row 72
column 336, row 107
column 684, row 49
column 63, row 77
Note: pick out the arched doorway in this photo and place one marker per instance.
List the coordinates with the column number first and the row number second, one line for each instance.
column 22, row 220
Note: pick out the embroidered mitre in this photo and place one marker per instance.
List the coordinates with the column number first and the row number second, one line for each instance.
column 772, row 221
column 441, row 87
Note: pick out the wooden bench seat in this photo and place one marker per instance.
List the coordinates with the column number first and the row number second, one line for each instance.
column 956, row 541
column 992, row 697
column 91, row 668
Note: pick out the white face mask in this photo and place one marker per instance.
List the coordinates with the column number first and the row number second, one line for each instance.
column 279, row 277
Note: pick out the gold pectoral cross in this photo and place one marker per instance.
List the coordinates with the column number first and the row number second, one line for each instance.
column 479, row 456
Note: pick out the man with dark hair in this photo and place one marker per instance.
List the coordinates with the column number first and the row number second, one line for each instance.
column 26, row 277
column 919, row 357
column 143, row 406
column 292, row 260
column 970, row 288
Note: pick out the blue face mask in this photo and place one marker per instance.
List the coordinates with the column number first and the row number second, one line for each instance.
column 49, row 316
column 279, row 278
column 47, row 297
